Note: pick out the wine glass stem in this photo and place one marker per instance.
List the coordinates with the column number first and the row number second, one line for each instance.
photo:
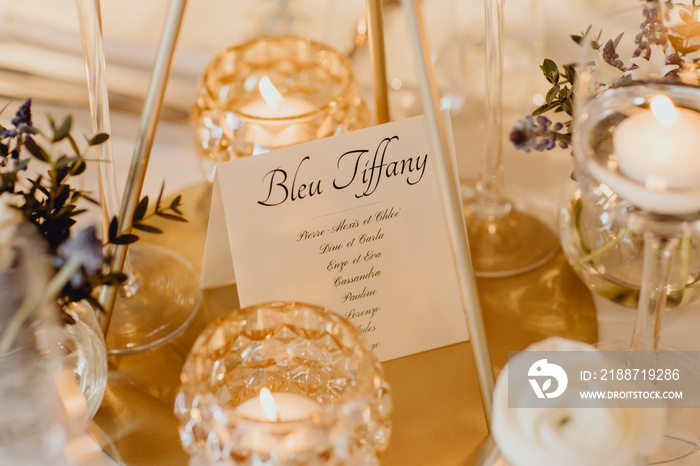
column 489, row 200
column 659, row 250
column 93, row 50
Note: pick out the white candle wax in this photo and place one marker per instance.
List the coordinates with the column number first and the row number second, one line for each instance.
column 660, row 151
column 276, row 133
column 288, row 106
column 275, row 108
column 289, row 406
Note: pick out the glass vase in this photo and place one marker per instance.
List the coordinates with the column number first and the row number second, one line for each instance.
column 86, row 354
column 333, row 403
column 637, row 112
column 33, row 428
column 636, row 120
column 40, row 403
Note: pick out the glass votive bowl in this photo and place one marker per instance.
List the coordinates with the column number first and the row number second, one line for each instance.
column 643, row 158
column 270, row 93
column 637, row 102
column 606, row 251
column 331, row 402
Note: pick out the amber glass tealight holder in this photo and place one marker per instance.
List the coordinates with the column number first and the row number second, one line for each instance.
column 283, row 384
column 271, row 93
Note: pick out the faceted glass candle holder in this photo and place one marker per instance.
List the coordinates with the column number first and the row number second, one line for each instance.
column 270, row 93
column 331, row 402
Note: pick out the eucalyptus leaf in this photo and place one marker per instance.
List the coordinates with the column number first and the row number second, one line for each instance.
column 63, row 130
column 35, row 150
column 98, row 139
column 147, row 228
column 126, row 238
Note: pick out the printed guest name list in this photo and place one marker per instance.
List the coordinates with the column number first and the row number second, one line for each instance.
column 350, row 249
column 353, row 263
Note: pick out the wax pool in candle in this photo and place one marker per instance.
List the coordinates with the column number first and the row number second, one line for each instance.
column 272, row 104
column 287, row 107
column 286, row 407
column 279, row 129
column 660, row 147
column 273, row 410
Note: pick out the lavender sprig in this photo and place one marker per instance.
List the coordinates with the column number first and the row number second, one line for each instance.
column 538, row 134
column 80, row 254
column 51, row 204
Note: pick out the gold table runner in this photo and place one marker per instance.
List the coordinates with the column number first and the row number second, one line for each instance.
column 438, row 417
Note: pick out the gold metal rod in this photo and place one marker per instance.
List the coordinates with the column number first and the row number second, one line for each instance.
column 453, row 206
column 375, row 35
column 142, row 148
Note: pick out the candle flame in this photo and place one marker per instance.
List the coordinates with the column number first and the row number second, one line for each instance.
column 268, row 404
column 663, row 110
column 269, row 92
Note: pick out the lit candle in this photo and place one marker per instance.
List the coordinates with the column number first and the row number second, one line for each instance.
column 273, row 410
column 272, row 104
column 659, row 148
column 277, row 407
column 279, row 129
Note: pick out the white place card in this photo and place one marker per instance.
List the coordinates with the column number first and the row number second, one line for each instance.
column 353, row 223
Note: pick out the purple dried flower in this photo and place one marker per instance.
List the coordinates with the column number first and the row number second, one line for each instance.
column 22, row 122
column 611, row 56
column 23, row 115
column 535, row 134
column 84, row 251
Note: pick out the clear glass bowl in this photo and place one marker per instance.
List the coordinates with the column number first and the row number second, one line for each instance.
column 626, row 61
column 295, row 350
column 636, row 175
column 85, row 353
column 606, row 251
column 317, row 88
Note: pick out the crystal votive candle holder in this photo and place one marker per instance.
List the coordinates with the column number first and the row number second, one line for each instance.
column 270, row 93
column 283, row 384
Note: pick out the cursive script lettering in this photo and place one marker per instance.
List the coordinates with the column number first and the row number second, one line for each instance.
column 367, row 328
column 354, row 314
column 376, row 168
column 336, row 265
column 340, row 281
column 278, row 191
column 306, row 234
column 387, row 214
column 344, row 225
column 329, row 247
column 350, row 296
column 365, row 238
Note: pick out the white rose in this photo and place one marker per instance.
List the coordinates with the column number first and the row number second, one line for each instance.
column 608, row 435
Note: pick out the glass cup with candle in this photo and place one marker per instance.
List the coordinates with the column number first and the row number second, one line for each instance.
column 637, row 120
column 270, row 93
column 628, row 159
column 283, row 384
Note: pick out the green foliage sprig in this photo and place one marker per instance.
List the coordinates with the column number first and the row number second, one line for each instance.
column 560, row 97
column 49, row 202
